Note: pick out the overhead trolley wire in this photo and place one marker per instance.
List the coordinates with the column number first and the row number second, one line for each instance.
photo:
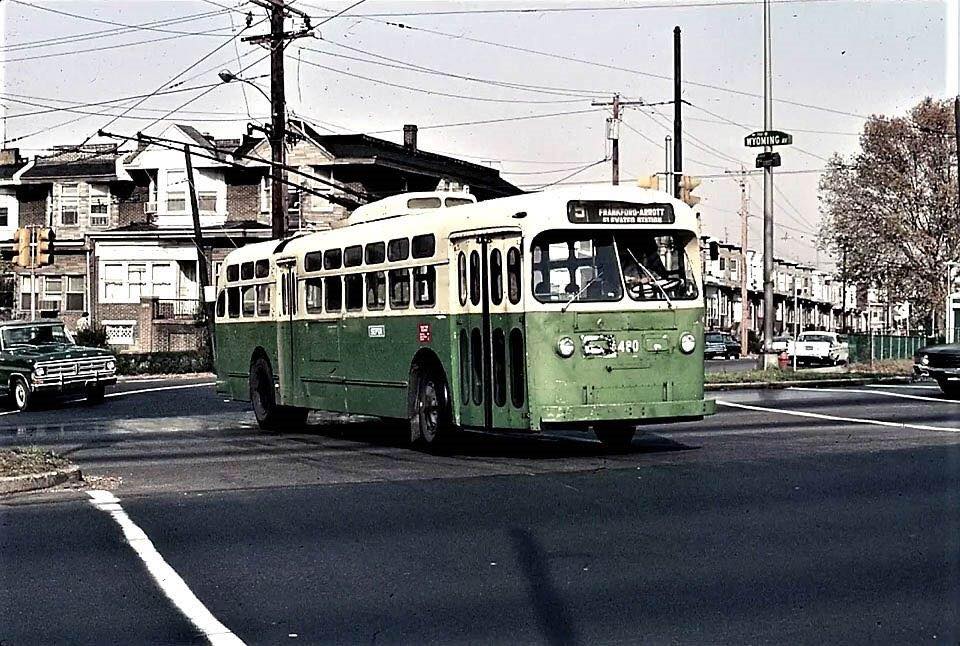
column 141, row 27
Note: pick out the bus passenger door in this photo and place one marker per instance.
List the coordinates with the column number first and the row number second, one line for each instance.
column 491, row 331
column 286, row 368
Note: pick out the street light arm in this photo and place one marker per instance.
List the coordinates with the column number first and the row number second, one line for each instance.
column 228, row 77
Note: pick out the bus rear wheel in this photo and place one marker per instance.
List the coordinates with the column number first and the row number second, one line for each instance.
column 430, row 419
column 270, row 416
column 615, row 438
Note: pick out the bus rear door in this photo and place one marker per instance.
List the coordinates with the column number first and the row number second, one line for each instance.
column 491, row 357
column 286, row 368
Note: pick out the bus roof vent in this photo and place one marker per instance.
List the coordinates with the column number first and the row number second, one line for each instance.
column 406, row 203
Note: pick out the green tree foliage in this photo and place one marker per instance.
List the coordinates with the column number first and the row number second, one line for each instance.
column 893, row 206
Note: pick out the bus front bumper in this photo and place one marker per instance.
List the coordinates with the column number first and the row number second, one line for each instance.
column 642, row 412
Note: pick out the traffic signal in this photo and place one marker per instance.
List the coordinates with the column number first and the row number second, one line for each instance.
column 21, row 247
column 45, row 238
column 687, row 184
column 649, row 181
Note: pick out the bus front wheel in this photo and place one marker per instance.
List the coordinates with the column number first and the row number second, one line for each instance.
column 270, row 416
column 615, row 438
column 430, row 424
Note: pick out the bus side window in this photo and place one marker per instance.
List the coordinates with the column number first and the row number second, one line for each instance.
column 313, row 261
column 249, row 300
column 221, row 303
column 263, row 299
column 284, row 295
column 376, row 290
column 354, row 292
column 374, row 253
column 462, row 277
column 262, row 269
column 246, row 271
column 353, row 256
column 513, row 275
column 334, row 288
column 398, row 249
column 314, row 295
column 233, row 273
column 474, row 278
column 332, row 259
column 399, row 289
column 233, row 302
column 517, row 362
column 424, row 246
column 424, row 286
column 496, row 277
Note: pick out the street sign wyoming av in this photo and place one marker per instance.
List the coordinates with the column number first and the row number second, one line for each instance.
column 767, row 138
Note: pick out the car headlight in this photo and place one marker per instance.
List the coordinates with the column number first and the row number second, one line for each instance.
column 566, row 347
column 111, row 365
column 688, row 343
column 925, row 360
column 39, row 371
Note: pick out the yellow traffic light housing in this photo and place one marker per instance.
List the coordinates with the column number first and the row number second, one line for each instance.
column 21, row 242
column 649, row 181
column 687, row 184
column 45, row 238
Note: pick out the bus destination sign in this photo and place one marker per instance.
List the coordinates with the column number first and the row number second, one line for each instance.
column 582, row 212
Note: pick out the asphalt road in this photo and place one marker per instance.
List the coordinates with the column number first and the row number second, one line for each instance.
column 793, row 516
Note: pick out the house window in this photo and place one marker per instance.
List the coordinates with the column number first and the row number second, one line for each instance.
column 176, row 190
column 75, row 294
column 265, row 198
column 69, row 205
column 207, row 201
column 162, row 275
column 99, row 205
column 4, row 217
column 136, row 280
column 114, row 290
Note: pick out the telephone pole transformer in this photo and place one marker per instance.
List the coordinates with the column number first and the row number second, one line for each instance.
column 276, row 41
column 613, row 133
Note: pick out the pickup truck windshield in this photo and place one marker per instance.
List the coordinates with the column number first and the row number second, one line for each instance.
column 34, row 335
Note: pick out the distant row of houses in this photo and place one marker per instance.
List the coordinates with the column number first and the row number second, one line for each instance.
column 805, row 298
column 125, row 250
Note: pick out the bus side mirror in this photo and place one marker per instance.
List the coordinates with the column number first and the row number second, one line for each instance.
column 714, row 251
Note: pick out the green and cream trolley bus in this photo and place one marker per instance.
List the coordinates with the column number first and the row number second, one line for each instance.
column 572, row 308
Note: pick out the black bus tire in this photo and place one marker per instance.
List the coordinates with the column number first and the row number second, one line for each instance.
column 263, row 396
column 615, row 438
column 430, row 419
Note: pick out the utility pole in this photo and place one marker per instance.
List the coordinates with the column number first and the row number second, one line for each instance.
column 613, row 133
column 769, row 359
column 745, row 268
column 677, row 124
column 668, row 164
column 276, row 41
column 197, row 232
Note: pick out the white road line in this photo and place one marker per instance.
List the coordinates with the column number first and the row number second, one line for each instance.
column 877, row 392
column 917, row 387
column 158, row 389
column 837, row 418
column 174, row 587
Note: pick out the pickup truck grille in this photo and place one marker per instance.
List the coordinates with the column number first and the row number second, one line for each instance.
column 944, row 360
column 75, row 367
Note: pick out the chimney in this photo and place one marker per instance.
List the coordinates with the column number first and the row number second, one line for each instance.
column 11, row 156
column 410, row 136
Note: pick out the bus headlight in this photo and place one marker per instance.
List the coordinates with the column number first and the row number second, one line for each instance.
column 566, row 347
column 688, row 343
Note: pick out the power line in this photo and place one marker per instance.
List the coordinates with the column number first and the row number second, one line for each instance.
column 435, row 92
column 573, row 174
column 143, row 27
column 488, row 121
column 340, row 13
column 125, row 114
column 74, row 38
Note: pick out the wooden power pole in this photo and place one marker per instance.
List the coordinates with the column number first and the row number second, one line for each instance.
column 613, row 133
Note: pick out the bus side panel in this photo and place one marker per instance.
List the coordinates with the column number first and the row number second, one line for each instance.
column 318, row 361
column 236, row 343
column 377, row 368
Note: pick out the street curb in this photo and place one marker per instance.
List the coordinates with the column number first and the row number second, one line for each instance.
column 779, row 385
column 33, row 481
column 178, row 375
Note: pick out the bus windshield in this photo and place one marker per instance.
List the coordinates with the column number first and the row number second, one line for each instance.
column 586, row 266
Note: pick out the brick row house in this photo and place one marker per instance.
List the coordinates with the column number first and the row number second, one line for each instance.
column 125, row 248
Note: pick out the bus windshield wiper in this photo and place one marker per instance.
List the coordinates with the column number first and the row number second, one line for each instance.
column 651, row 277
column 578, row 294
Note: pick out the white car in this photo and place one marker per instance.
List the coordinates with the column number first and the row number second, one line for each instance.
column 824, row 348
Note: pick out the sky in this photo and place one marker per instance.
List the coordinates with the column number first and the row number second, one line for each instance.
column 844, row 59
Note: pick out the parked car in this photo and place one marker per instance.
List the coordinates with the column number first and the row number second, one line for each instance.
column 942, row 363
column 823, row 348
column 40, row 358
column 721, row 344
column 783, row 343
